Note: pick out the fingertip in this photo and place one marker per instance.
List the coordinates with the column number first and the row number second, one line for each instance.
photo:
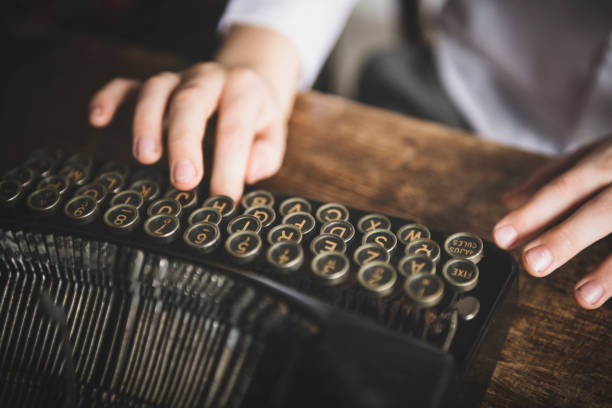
column 504, row 235
column 589, row 294
column 146, row 150
column 536, row 260
column 185, row 175
column 97, row 117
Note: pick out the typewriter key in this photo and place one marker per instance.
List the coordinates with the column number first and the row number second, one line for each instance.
column 382, row 237
column 460, row 274
column 331, row 267
column 44, row 200
column 79, row 159
column 206, row 214
column 43, row 166
column 223, row 203
column 82, row 208
column 293, row 205
column 24, row 175
column 468, row 308
column 112, row 180
column 377, row 277
column 75, row 173
column 162, row 226
column 149, row 189
column 369, row 253
column 203, row 236
column 332, row 212
column 265, row 214
column 55, row 182
column 257, row 197
column 244, row 222
column 373, row 222
column 168, row 206
column 412, row 232
column 122, row 217
column 284, row 232
column 10, row 192
column 285, row 256
column 243, row 246
column 97, row 191
column 413, row 264
column 131, row 197
column 188, row 199
column 425, row 247
column 343, row 229
column 424, row 289
column 327, row 243
column 303, row 220
column 464, row 245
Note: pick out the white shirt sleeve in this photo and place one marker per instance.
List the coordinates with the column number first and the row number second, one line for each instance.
column 313, row 26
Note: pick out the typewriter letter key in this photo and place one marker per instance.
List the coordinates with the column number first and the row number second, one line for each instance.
column 382, row 237
column 224, row 204
column 425, row 247
column 343, row 229
column 369, row 253
column 327, row 243
column 44, row 200
column 413, row 264
column 258, row 197
column 265, row 214
column 131, row 197
column 332, row 212
column 377, row 277
column 464, row 245
column 10, row 192
column 412, row 232
column 293, row 205
column 244, row 222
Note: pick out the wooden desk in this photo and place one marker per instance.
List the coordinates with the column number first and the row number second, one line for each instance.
column 556, row 353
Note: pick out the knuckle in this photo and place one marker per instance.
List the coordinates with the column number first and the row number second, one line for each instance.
column 161, row 79
column 187, row 95
column 243, row 76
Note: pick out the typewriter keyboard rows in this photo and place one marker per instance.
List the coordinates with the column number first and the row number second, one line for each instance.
column 359, row 261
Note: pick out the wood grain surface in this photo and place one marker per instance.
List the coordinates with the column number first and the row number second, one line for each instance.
column 556, row 354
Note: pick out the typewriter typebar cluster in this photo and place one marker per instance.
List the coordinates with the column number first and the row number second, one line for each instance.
column 136, row 256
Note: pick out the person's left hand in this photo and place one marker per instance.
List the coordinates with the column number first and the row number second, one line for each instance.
column 579, row 185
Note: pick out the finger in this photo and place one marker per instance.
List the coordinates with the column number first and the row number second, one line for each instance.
column 193, row 103
column 595, row 289
column 149, row 115
column 238, row 111
column 555, row 247
column 105, row 102
column 551, row 201
column 267, row 152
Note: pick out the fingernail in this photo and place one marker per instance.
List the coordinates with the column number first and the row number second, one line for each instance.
column 590, row 291
column 538, row 258
column 184, row 171
column 145, row 148
column 95, row 111
column 504, row 236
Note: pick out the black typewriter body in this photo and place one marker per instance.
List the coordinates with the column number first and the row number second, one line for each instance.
column 94, row 314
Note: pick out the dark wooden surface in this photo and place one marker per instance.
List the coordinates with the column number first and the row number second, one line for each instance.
column 556, row 354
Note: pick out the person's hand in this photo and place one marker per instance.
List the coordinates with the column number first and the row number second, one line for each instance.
column 579, row 185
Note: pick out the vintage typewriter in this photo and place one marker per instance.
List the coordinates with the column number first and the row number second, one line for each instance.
column 118, row 290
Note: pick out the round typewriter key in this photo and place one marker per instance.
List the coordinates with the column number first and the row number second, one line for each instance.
column 203, row 236
column 55, row 182
column 424, row 289
column 243, row 246
column 265, row 214
column 327, row 243
column 44, row 200
column 412, row 232
column 188, row 199
column 10, row 192
column 166, row 206
column 244, row 222
column 82, row 208
column 24, row 175
column 43, row 166
column 205, row 214
column 75, row 173
column 464, row 245
column 96, row 191
column 382, row 237
column 369, row 253
column 293, row 205
column 377, row 277
column 120, row 168
column 468, row 307
column 257, row 197
column 149, row 189
column 343, row 229
column 162, row 226
column 131, row 197
column 413, row 264
column 285, row 256
column 284, row 232
column 460, row 274
column 373, row 222
column 332, row 212
column 121, row 217
column 225, row 205
column 303, row 220
column 425, row 247
column 112, row 180
column 331, row 267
